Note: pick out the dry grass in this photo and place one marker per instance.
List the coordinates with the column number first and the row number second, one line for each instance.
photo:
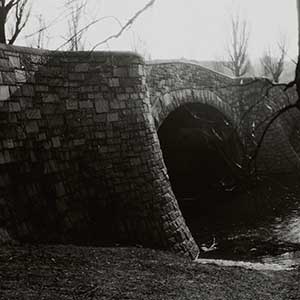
column 69, row 272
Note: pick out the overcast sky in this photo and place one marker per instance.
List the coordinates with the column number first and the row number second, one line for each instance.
column 193, row 29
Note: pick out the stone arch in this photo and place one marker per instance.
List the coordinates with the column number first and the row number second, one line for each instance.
column 168, row 102
column 173, row 103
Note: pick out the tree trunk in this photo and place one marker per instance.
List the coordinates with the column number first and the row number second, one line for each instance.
column 297, row 75
column 2, row 25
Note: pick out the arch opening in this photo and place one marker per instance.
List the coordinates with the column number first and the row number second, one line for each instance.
column 201, row 151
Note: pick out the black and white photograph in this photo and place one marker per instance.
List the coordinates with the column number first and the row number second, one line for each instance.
column 149, row 150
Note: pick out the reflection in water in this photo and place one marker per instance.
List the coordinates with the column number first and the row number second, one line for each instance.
column 288, row 259
column 258, row 225
column 288, row 230
column 261, row 266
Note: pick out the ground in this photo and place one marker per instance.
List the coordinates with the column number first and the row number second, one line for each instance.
column 70, row 272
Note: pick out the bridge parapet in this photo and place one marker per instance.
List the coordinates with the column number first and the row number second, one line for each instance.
column 166, row 76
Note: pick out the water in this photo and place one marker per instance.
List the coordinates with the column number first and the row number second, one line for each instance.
column 258, row 224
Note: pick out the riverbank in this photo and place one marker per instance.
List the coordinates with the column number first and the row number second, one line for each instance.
column 70, row 272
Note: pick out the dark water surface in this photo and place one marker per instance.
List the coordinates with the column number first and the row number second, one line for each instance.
column 257, row 224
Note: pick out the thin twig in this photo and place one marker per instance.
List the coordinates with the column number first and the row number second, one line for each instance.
column 126, row 26
column 86, row 27
column 274, row 118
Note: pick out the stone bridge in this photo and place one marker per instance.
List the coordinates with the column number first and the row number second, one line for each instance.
column 86, row 137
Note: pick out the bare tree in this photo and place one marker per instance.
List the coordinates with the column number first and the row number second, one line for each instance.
column 297, row 73
column 75, row 34
column 21, row 12
column 123, row 27
column 273, row 65
column 237, row 57
column 126, row 26
column 41, row 34
column 285, row 86
column 40, row 38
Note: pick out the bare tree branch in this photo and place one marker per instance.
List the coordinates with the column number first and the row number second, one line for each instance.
column 273, row 119
column 21, row 16
column 76, row 35
column 297, row 72
column 50, row 24
column 273, row 66
column 86, row 27
column 238, row 62
column 126, row 26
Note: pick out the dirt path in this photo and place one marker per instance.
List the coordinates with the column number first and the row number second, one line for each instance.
column 69, row 272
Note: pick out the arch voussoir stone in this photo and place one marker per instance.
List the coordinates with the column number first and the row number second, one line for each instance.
column 166, row 103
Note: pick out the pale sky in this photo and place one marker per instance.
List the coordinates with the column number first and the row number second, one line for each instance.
column 192, row 29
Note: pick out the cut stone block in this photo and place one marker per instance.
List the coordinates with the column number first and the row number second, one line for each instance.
column 102, row 106
column 4, row 92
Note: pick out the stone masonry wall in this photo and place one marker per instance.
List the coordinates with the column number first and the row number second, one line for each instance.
column 80, row 160
column 169, row 76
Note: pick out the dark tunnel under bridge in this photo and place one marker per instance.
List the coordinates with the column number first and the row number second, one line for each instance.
column 201, row 150
column 203, row 155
